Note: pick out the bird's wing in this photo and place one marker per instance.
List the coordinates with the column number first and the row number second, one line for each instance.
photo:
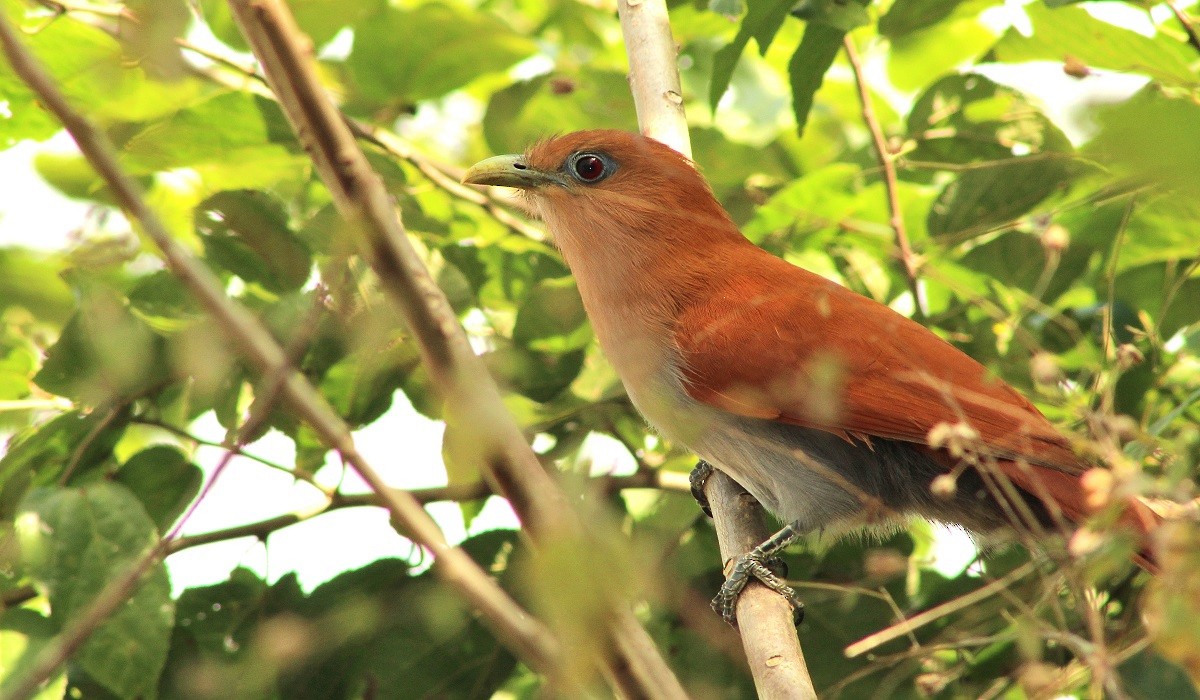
column 777, row 342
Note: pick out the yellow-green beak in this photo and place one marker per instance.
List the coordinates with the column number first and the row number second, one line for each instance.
column 510, row 171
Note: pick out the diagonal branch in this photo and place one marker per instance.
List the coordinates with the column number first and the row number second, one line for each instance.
column 765, row 619
column 472, row 400
column 887, row 161
column 529, row 639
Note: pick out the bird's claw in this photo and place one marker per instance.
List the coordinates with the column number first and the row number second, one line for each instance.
column 754, row 564
column 698, row 478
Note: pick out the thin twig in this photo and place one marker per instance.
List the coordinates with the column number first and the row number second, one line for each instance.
column 1188, row 26
column 297, row 472
column 887, row 161
column 907, row 627
column 87, row 441
column 530, row 640
column 471, row 397
column 1105, row 392
column 457, row 493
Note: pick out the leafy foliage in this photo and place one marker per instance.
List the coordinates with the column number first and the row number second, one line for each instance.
column 1061, row 247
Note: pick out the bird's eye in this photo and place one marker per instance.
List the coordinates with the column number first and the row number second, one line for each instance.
column 588, row 167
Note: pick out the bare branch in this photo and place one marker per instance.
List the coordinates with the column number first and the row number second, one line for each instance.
column 671, row 481
column 472, row 399
column 887, row 161
column 517, row 629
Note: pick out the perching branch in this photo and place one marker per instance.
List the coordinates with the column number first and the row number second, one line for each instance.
column 764, row 618
column 530, row 640
column 887, row 161
column 472, row 400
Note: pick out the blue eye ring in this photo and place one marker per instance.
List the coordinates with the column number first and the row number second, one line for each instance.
column 589, row 167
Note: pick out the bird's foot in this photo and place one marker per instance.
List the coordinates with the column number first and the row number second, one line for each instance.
column 699, row 477
column 762, row 564
column 770, row 571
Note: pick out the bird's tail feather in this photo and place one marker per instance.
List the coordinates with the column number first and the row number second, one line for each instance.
column 1070, row 496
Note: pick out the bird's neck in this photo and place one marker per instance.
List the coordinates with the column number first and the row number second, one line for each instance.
column 636, row 280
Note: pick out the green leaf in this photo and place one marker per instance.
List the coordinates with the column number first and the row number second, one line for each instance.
column 71, row 174
column 814, row 56
column 233, row 139
column 907, row 16
column 827, row 23
column 537, row 375
column 74, row 543
column 321, row 20
column 996, row 193
column 401, row 56
column 162, row 301
column 818, row 201
column 39, row 453
column 1147, row 289
column 219, row 18
column 413, row 638
column 531, row 110
column 1018, row 260
column 104, row 353
column 19, row 359
column 967, row 118
column 164, row 480
column 921, row 54
column 1152, row 137
column 1151, row 676
column 148, row 32
column 218, row 619
column 361, row 386
column 247, row 233
column 763, row 19
column 552, row 318
column 24, row 633
column 32, row 281
column 1071, row 31
column 91, row 69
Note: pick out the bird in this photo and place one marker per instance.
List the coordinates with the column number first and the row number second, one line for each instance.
column 827, row 406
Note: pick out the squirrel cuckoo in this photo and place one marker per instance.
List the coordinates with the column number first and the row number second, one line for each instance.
column 824, row 405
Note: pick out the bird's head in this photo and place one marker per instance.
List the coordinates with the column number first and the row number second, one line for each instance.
column 610, row 188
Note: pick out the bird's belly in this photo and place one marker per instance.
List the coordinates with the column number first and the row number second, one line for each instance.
column 795, row 473
column 798, row 474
